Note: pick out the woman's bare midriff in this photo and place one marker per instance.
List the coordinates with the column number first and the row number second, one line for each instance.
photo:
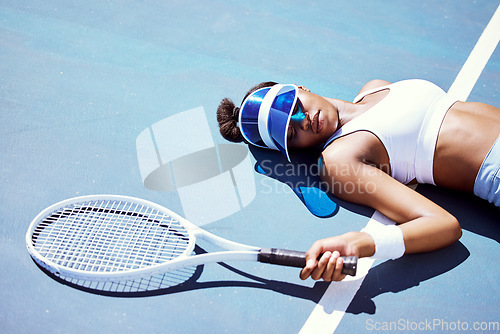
column 468, row 131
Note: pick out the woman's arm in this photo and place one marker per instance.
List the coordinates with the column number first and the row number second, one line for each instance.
column 424, row 224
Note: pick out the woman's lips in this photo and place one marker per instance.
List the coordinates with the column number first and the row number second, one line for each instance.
column 317, row 122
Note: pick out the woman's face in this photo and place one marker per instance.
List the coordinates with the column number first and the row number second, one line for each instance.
column 313, row 121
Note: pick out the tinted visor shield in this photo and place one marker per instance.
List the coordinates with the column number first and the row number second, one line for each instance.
column 279, row 116
column 249, row 116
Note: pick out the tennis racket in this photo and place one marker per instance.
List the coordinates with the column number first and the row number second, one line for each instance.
column 106, row 237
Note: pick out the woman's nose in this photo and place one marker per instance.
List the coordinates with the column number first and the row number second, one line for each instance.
column 306, row 122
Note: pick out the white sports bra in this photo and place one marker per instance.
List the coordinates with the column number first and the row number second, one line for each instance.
column 407, row 122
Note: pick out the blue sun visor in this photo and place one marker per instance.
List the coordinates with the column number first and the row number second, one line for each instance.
column 265, row 115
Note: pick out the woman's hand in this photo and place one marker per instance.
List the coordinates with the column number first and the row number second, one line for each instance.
column 329, row 268
column 330, row 264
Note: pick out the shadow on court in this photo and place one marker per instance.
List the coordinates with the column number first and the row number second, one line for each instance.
column 179, row 282
column 475, row 215
column 405, row 273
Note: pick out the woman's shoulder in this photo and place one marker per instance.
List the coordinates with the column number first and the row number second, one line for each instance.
column 374, row 84
column 357, row 146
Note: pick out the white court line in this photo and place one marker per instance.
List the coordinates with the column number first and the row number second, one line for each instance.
column 329, row 311
column 470, row 72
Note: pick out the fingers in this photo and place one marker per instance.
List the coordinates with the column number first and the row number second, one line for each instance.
column 329, row 268
column 329, row 265
column 308, row 269
column 337, row 274
column 323, row 266
column 311, row 260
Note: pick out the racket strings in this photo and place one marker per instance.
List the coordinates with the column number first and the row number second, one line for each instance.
column 106, row 236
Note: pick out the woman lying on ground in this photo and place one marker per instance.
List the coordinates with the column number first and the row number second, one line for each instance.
column 392, row 135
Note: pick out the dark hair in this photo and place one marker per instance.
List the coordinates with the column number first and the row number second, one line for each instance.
column 227, row 115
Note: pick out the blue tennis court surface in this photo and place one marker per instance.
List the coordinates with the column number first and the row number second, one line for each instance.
column 119, row 97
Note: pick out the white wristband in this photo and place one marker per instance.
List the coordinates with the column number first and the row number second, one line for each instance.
column 389, row 241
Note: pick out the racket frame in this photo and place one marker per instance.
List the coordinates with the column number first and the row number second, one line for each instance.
column 234, row 251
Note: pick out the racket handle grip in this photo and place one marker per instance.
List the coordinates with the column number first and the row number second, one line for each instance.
column 297, row 259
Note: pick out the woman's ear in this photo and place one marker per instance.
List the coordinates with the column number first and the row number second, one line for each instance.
column 303, row 88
